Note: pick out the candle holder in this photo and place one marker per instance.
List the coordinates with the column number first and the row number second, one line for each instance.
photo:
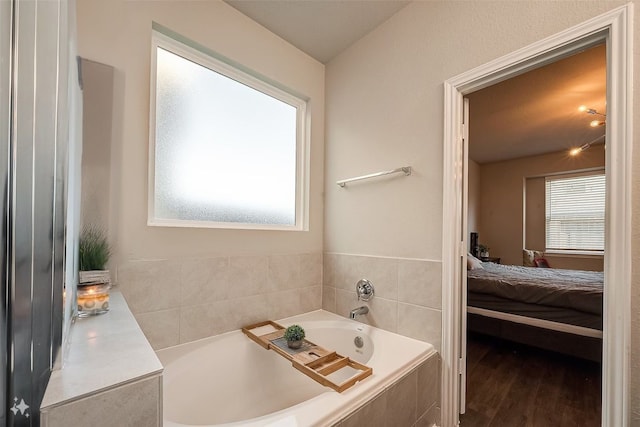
column 93, row 299
column 94, row 278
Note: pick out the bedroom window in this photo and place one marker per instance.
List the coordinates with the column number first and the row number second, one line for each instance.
column 228, row 149
column 575, row 210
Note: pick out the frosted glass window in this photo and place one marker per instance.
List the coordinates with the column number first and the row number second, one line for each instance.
column 228, row 147
column 575, row 211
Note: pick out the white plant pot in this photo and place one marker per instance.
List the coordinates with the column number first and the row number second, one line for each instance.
column 94, row 277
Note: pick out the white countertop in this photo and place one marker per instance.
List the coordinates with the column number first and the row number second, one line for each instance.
column 105, row 351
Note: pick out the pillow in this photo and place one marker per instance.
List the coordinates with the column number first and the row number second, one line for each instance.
column 473, row 263
column 529, row 256
column 541, row 262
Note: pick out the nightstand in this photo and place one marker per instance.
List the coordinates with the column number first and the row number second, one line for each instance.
column 494, row 260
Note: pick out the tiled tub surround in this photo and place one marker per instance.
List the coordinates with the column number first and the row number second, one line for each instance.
column 178, row 301
column 408, row 293
column 412, row 401
column 402, row 392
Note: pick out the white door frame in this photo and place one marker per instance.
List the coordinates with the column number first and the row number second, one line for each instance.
column 616, row 27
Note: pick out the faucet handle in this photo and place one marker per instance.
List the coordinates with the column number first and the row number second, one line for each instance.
column 365, row 290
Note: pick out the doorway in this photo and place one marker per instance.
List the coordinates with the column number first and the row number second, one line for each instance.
column 525, row 135
column 613, row 28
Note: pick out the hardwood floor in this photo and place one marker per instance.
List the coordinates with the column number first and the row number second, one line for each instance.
column 510, row 384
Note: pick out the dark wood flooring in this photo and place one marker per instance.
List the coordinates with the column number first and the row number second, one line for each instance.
column 510, row 384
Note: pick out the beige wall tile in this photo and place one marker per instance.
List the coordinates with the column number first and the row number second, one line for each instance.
column 329, row 262
column 420, row 283
column 381, row 272
column 220, row 294
column 383, row 313
column 345, row 301
column 310, row 299
column 311, row 269
column 162, row 328
column 283, row 304
column 401, row 402
column 150, row 285
column 131, row 405
column 222, row 316
column 344, row 276
column 371, row 415
column 329, row 298
column 284, row 272
column 204, row 280
column 247, row 275
column 200, row 321
column 241, row 312
column 420, row 323
column 428, row 384
column 430, row 418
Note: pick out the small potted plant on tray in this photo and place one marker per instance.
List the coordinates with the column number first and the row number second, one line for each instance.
column 294, row 335
column 94, row 279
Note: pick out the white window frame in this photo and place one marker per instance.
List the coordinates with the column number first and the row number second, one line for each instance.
column 592, row 172
column 224, row 66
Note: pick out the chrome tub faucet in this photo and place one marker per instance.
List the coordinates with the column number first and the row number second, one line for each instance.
column 358, row 312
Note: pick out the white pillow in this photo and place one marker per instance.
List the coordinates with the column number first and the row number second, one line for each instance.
column 473, row 263
column 529, row 256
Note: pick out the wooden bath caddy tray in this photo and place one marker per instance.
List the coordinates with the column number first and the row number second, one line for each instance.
column 310, row 359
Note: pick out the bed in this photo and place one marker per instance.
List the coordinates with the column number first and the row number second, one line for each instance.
column 555, row 309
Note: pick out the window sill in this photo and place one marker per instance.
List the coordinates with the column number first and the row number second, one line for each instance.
column 575, row 254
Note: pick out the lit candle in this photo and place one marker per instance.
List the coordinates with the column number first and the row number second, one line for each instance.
column 93, row 299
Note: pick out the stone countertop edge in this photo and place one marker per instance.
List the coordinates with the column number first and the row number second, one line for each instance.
column 105, row 351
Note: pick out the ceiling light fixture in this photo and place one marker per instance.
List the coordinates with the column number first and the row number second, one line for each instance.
column 588, row 110
column 577, row 150
column 594, row 124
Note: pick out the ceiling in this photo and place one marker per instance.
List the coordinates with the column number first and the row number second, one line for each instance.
column 531, row 114
column 321, row 28
column 537, row 112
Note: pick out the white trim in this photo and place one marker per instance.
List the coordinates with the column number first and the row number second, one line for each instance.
column 303, row 135
column 615, row 27
column 574, row 254
column 576, row 172
column 462, row 378
column 538, row 323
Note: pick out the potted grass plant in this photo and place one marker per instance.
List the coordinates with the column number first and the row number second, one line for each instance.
column 94, row 278
column 294, row 335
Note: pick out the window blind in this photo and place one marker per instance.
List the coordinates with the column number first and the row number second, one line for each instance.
column 575, row 208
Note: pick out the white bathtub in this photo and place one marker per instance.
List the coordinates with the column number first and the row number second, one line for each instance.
column 230, row 380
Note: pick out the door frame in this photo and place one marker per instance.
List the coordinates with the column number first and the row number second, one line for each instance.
column 616, row 29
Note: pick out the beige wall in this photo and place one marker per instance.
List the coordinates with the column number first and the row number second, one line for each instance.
column 97, row 112
column 118, row 33
column 187, row 283
column 384, row 109
column 502, row 201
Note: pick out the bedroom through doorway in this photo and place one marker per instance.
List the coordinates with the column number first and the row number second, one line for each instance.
column 535, row 224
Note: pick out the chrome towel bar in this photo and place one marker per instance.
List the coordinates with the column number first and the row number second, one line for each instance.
column 405, row 169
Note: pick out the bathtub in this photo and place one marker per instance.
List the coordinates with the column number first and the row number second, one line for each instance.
column 229, row 380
